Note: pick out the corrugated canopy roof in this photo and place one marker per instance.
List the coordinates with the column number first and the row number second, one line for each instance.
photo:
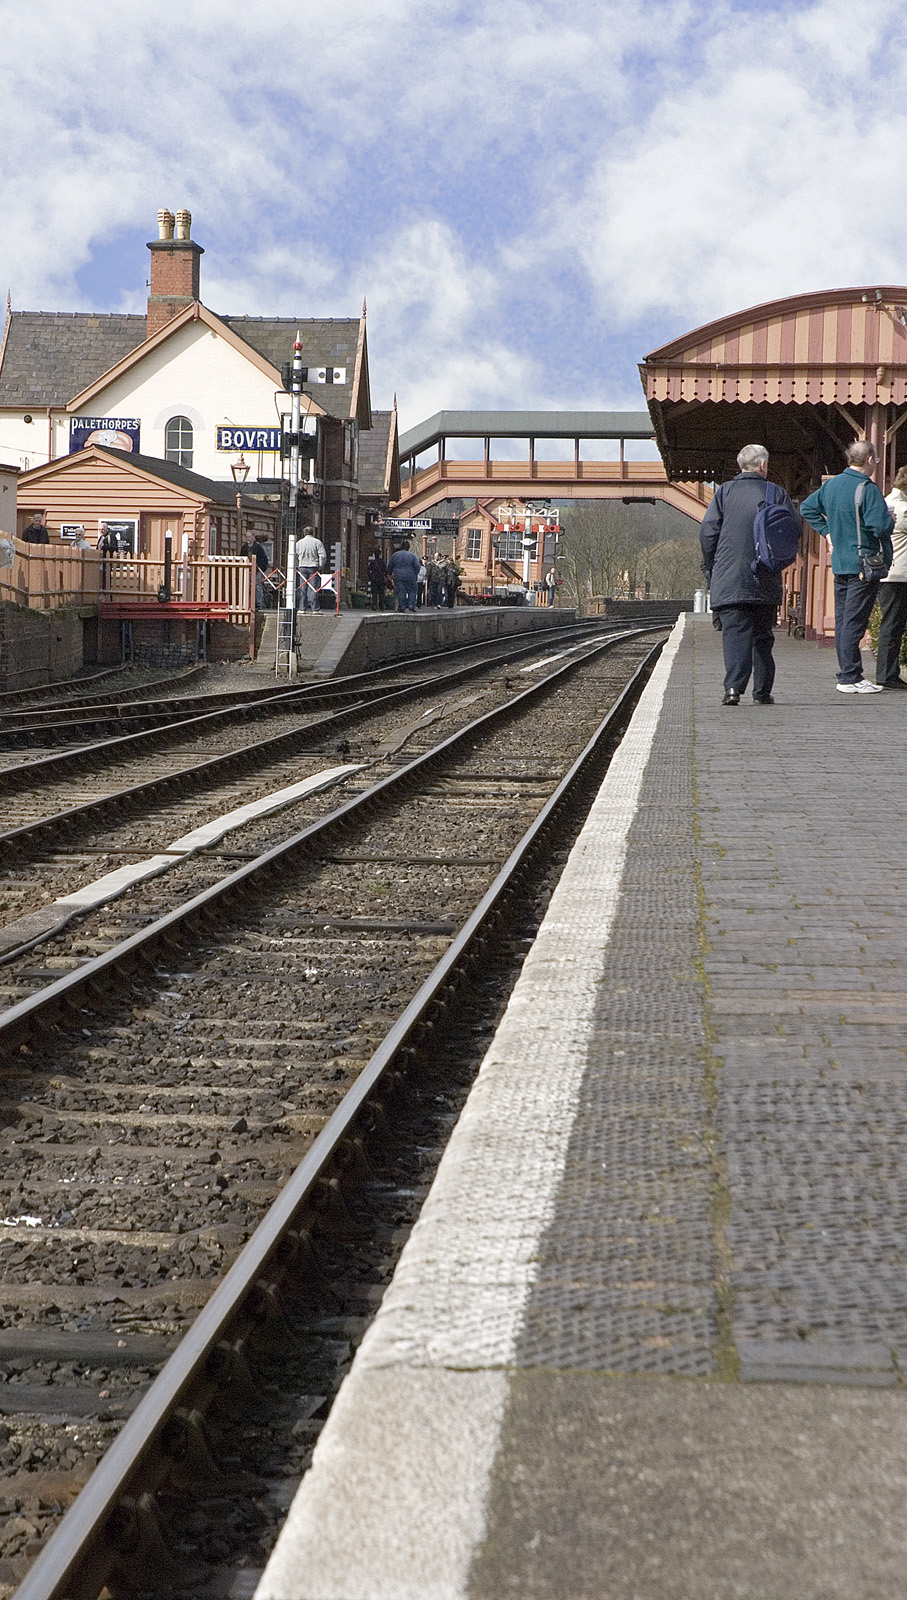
column 788, row 374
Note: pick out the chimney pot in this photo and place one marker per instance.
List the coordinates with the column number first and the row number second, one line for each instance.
column 184, row 224
column 165, row 221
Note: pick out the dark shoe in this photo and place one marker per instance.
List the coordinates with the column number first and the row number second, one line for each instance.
column 895, row 683
column 763, row 700
column 731, row 698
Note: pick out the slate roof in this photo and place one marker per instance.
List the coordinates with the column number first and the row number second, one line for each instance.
column 373, row 447
column 325, row 342
column 221, row 491
column 50, row 356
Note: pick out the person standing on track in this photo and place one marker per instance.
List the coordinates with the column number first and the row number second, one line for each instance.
column 743, row 592
column 850, row 512
column 893, row 592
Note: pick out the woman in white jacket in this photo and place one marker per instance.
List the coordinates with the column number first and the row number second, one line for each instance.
column 893, row 592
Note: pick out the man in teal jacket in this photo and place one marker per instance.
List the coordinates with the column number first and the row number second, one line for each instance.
column 834, row 510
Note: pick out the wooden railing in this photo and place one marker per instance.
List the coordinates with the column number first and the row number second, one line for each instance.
column 44, row 577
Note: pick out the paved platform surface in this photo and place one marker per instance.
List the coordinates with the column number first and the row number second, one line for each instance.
column 648, row 1339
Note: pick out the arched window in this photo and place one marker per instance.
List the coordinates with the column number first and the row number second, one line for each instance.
column 178, row 441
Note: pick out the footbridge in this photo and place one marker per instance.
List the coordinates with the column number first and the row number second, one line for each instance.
column 535, row 475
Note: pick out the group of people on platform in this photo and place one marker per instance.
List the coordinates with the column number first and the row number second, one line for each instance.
column 415, row 583
column 867, row 535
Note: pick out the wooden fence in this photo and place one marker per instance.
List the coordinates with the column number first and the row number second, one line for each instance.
column 44, row 577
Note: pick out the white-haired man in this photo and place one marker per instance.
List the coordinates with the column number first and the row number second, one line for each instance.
column 745, row 594
column 851, row 513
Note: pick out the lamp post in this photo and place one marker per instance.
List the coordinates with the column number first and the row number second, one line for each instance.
column 240, row 470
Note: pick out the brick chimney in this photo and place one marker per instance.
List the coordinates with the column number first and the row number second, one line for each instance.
column 174, row 269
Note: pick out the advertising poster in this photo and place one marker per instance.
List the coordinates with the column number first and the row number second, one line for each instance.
column 117, row 433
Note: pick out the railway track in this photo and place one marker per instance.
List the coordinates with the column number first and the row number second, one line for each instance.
column 56, row 850
column 238, row 1053
column 76, row 721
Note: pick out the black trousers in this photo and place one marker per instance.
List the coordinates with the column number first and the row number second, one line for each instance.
column 748, row 638
column 854, row 600
column 893, row 603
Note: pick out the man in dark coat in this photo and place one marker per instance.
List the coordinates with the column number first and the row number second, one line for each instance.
column 746, row 600
column 36, row 532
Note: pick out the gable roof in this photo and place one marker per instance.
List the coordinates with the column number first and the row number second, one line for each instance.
column 62, row 359
column 195, row 312
column 379, row 463
column 50, row 355
column 326, row 342
column 214, row 489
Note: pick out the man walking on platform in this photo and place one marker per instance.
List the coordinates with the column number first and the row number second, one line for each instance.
column 311, row 559
column 743, row 592
column 850, row 512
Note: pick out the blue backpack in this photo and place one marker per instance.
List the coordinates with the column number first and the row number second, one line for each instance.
column 776, row 531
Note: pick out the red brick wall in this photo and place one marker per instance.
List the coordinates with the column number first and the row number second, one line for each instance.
column 175, row 275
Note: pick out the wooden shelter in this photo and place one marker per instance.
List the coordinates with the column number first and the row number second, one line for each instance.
column 101, row 485
column 803, row 376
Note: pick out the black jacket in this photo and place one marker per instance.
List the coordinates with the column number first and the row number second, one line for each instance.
column 729, row 548
column 36, row 533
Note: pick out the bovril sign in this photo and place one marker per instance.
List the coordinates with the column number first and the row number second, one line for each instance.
column 267, row 439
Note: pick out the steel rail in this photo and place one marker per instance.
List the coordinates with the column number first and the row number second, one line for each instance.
column 16, row 725
column 19, row 1018
column 108, row 672
column 77, row 1559
column 220, row 766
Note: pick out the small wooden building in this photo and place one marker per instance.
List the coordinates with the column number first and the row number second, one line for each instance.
column 144, row 499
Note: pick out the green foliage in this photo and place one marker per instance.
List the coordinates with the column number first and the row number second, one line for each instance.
column 875, row 623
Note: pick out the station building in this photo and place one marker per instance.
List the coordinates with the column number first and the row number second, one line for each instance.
column 184, row 385
column 804, row 376
column 490, row 546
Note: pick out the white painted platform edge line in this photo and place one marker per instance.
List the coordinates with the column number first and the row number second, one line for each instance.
column 113, row 883
column 317, row 1558
column 458, row 1295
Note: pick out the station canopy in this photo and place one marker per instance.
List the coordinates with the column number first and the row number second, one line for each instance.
column 803, row 376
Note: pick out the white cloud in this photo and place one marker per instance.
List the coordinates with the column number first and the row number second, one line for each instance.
column 517, row 186
column 762, row 175
column 429, row 310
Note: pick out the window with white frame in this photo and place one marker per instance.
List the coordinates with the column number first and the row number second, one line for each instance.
column 473, row 544
column 510, row 544
column 178, row 441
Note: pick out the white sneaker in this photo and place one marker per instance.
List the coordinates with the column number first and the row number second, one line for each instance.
column 863, row 687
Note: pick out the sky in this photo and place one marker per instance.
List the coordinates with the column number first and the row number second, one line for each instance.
column 530, row 194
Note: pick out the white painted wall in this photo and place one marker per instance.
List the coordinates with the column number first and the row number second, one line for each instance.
column 8, row 480
column 196, row 374
column 24, row 444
